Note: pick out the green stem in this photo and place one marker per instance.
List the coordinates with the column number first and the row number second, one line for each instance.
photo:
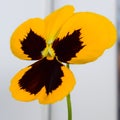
column 69, row 106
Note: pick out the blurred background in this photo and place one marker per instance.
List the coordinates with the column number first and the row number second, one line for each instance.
column 96, row 94
column 118, row 58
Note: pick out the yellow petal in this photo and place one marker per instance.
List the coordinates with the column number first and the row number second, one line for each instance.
column 68, row 82
column 46, row 80
column 55, row 20
column 28, row 41
column 97, row 33
column 17, row 92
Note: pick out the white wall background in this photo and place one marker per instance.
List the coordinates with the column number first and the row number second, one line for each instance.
column 94, row 97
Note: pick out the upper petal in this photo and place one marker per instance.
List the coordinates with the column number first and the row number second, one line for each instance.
column 94, row 34
column 28, row 41
column 55, row 20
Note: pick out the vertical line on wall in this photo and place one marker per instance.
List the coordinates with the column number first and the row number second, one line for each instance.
column 49, row 7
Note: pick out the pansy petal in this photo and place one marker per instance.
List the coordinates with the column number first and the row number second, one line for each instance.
column 84, row 37
column 28, row 41
column 55, row 20
column 46, row 80
column 17, row 92
column 58, row 93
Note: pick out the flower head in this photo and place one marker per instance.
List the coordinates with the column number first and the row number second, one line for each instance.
column 63, row 36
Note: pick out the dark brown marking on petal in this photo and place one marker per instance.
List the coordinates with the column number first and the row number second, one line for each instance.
column 32, row 45
column 68, row 46
column 46, row 73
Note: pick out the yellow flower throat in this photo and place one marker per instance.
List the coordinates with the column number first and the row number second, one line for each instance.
column 48, row 52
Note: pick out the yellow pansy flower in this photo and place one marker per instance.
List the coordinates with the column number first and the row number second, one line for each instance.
column 62, row 37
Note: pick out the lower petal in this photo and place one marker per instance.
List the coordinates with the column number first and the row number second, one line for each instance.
column 46, row 80
column 68, row 82
column 17, row 92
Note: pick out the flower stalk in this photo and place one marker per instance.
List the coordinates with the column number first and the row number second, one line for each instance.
column 69, row 106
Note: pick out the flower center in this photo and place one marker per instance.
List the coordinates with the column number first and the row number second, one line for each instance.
column 48, row 52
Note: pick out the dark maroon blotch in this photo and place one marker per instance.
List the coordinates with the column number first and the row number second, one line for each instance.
column 32, row 45
column 68, row 46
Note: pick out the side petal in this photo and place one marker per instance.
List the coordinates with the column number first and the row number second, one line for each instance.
column 84, row 36
column 67, row 47
column 46, row 80
column 55, row 20
column 27, row 41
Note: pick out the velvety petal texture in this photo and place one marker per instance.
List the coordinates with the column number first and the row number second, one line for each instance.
column 46, row 80
column 28, row 41
column 63, row 36
column 67, row 47
column 94, row 33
